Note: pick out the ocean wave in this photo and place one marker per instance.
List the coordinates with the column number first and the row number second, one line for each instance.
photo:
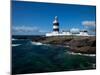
column 16, row 45
column 72, row 53
column 38, row 43
column 14, row 39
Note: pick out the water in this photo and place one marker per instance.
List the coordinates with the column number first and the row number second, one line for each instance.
column 28, row 57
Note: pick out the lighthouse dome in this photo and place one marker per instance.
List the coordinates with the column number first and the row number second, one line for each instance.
column 55, row 20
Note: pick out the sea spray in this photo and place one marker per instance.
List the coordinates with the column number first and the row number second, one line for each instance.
column 38, row 43
column 13, row 45
column 73, row 53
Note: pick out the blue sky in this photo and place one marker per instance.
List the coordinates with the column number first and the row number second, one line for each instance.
column 35, row 18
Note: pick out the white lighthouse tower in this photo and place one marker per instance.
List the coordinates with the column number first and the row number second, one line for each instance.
column 55, row 28
column 56, row 25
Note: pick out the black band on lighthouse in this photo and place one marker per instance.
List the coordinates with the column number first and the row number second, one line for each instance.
column 56, row 25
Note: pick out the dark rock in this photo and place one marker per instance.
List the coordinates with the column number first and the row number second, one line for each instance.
column 79, row 44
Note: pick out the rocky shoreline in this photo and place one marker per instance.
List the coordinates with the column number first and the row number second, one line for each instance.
column 77, row 44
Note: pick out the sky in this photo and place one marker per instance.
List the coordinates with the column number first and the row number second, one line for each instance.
column 35, row 18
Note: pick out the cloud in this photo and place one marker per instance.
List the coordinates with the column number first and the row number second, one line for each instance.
column 90, row 26
column 89, row 23
column 74, row 30
column 25, row 30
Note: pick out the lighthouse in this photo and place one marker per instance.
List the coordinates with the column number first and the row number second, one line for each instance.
column 56, row 31
column 56, row 25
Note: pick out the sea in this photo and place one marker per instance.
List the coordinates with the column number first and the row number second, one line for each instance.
column 35, row 57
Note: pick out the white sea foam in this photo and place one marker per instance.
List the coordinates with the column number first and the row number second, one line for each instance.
column 72, row 53
column 14, row 39
column 36, row 43
column 16, row 45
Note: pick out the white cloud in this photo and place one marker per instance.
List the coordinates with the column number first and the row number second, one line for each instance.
column 25, row 30
column 89, row 23
column 75, row 30
column 90, row 26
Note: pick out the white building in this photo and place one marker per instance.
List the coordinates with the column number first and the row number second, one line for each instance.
column 83, row 33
